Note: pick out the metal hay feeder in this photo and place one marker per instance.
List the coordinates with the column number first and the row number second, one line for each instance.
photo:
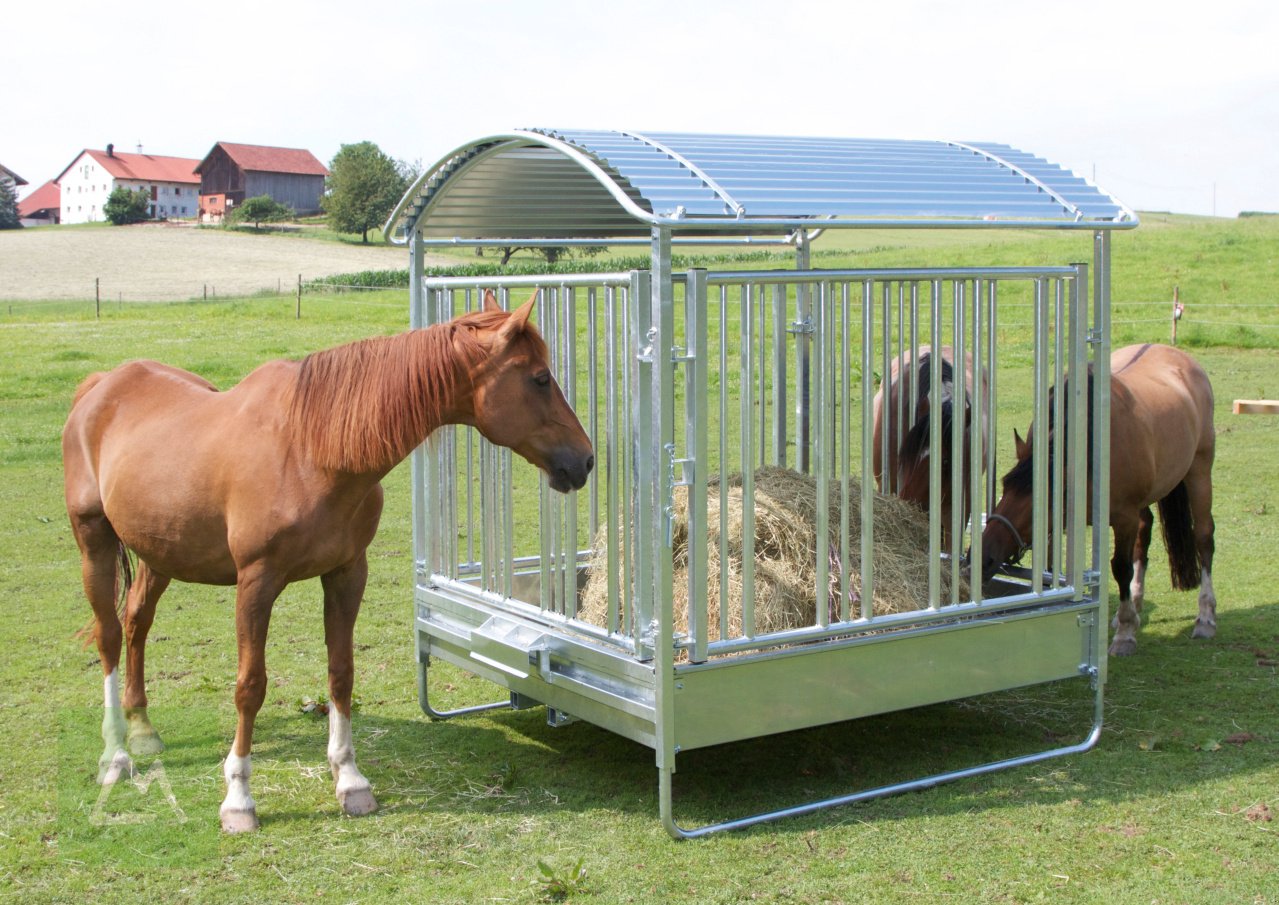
column 679, row 376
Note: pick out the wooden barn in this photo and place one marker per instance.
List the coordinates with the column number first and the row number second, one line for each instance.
column 230, row 173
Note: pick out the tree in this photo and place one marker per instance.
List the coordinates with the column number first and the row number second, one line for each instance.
column 9, row 218
column 363, row 187
column 260, row 209
column 124, row 206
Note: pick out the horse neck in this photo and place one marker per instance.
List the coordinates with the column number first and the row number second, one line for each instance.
column 363, row 407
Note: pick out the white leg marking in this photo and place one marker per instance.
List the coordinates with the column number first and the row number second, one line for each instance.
column 1138, row 585
column 354, row 792
column 1206, row 624
column 238, row 811
column 114, row 761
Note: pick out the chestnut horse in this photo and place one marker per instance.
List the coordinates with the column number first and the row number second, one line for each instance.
column 905, row 418
column 1161, row 452
column 277, row 480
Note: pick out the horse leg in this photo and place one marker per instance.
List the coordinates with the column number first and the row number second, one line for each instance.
column 138, row 615
column 1199, row 487
column 1141, row 555
column 255, row 594
column 99, row 550
column 343, row 591
column 1127, row 620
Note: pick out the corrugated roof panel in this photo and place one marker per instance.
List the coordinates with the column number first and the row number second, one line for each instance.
column 547, row 183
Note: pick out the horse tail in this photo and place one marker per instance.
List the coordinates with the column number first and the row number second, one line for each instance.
column 85, row 385
column 123, row 581
column 1179, row 538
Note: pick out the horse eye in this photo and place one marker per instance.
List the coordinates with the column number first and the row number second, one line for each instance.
column 542, row 378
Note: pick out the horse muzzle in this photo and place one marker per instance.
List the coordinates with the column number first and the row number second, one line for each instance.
column 569, row 469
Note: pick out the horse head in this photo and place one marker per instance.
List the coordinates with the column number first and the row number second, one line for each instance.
column 517, row 402
column 1004, row 539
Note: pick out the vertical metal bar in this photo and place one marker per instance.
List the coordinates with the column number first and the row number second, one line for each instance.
column 1058, row 509
column 613, row 442
column 762, row 392
column 417, row 460
column 934, row 450
column 956, row 477
column 888, row 440
column 868, row 495
column 846, row 447
column 1040, row 439
column 824, row 414
column 970, row 410
column 1101, row 439
column 661, row 400
column 593, row 404
column 780, row 377
column 724, row 463
column 1078, row 431
column 645, row 451
column 696, row 430
column 803, row 343
column 990, row 429
column 746, row 420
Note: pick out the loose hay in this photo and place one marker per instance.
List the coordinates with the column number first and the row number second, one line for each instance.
column 785, row 556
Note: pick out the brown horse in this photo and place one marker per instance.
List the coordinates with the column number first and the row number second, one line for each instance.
column 907, row 470
column 277, row 480
column 1161, row 452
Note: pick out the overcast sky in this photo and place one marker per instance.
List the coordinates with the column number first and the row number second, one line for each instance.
column 1167, row 106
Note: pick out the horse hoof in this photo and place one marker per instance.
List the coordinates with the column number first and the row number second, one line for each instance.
column 1204, row 630
column 357, row 802
column 237, row 821
column 112, row 769
column 145, row 744
column 1124, row 648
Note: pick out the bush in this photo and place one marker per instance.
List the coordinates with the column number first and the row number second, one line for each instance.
column 258, row 210
column 124, row 206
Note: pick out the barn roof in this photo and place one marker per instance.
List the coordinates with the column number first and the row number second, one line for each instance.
column 266, row 159
column 47, row 197
column 553, row 183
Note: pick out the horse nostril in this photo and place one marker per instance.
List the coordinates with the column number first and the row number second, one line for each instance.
column 590, row 464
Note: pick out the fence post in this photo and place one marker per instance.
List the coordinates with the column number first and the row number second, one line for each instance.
column 299, row 313
column 1176, row 311
column 97, row 297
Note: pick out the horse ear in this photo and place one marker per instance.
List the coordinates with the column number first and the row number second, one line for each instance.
column 490, row 301
column 1022, row 447
column 517, row 323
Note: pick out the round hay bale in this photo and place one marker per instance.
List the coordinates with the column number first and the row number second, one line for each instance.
column 785, row 556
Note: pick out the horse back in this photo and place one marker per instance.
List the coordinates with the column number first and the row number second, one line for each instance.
column 1162, row 403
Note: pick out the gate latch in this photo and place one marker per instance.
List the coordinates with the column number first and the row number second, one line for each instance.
column 668, row 509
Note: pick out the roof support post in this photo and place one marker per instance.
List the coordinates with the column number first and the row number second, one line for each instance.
column 803, row 350
column 659, row 414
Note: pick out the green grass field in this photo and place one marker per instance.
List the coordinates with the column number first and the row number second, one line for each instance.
column 1176, row 804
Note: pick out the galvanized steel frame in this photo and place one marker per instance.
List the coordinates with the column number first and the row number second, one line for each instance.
column 619, row 675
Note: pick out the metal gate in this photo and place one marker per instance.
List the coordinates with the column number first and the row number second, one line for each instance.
column 683, row 377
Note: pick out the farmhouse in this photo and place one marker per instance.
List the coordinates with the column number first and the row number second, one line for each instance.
column 89, row 180
column 231, row 172
column 42, row 207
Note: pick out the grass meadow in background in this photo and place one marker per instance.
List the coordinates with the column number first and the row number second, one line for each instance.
column 1176, row 804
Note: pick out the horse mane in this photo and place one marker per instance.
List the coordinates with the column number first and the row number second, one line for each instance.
column 366, row 405
column 917, row 438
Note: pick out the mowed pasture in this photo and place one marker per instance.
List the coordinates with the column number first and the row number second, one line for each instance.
column 1176, row 804
column 168, row 262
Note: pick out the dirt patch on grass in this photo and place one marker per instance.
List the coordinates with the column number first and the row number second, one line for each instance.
column 153, row 262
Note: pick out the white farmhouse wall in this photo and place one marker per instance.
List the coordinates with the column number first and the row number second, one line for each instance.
column 87, row 185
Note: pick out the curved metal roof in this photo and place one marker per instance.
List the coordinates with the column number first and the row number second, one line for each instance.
column 566, row 184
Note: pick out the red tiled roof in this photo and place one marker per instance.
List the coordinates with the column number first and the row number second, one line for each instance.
column 143, row 167
column 47, row 197
column 262, row 159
